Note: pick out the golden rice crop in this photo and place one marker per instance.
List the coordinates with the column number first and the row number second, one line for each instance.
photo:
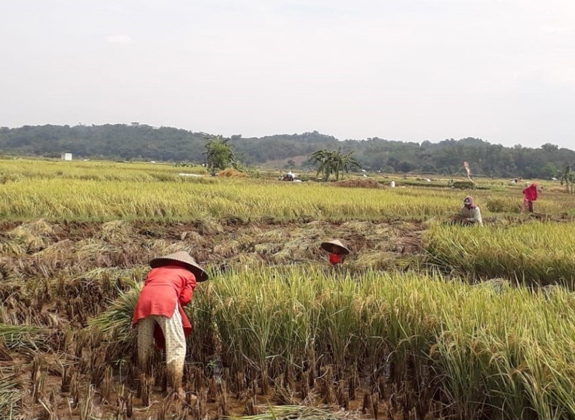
column 504, row 352
column 536, row 253
column 145, row 191
column 18, row 169
column 107, row 200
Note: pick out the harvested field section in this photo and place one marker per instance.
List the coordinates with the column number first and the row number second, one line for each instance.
column 43, row 248
column 58, row 281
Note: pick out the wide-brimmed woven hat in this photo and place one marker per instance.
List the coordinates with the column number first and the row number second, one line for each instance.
column 335, row 246
column 181, row 258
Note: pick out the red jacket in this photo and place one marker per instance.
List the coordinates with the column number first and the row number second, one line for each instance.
column 164, row 287
column 531, row 192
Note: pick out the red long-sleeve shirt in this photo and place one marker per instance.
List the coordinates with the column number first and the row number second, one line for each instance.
column 531, row 192
column 335, row 259
column 164, row 287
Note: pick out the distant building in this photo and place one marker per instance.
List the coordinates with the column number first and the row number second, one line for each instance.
column 66, row 156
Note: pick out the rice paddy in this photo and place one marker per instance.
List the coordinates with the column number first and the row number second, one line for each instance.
column 424, row 319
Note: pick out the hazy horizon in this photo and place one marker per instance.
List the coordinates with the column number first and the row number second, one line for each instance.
column 502, row 71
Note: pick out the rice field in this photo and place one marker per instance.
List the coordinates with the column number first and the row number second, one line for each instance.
column 424, row 320
column 112, row 191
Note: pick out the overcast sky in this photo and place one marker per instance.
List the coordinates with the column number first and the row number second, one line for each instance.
column 410, row 70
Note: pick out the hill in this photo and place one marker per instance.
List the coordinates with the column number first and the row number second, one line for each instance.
column 143, row 142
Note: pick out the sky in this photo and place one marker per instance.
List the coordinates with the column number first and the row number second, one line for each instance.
column 409, row 70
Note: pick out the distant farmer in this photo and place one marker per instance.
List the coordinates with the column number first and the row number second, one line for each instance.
column 529, row 196
column 337, row 251
column 159, row 312
column 290, row 176
column 470, row 213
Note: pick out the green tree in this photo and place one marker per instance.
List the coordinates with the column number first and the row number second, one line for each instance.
column 548, row 147
column 143, row 142
column 333, row 162
column 219, row 155
column 549, row 170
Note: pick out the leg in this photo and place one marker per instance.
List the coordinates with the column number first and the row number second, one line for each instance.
column 175, row 349
column 530, row 206
column 145, row 342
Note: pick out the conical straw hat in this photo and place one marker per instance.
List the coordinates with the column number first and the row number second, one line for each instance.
column 335, row 246
column 181, row 258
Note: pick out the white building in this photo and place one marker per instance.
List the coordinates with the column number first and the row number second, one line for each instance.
column 66, row 156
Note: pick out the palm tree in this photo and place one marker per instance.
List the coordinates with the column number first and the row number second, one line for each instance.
column 333, row 161
column 323, row 157
column 348, row 162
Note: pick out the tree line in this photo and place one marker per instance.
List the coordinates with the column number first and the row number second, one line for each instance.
column 143, row 142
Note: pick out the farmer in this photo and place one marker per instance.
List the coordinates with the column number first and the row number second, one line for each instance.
column 337, row 251
column 470, row 213
column 159, row 312
column 529, row 196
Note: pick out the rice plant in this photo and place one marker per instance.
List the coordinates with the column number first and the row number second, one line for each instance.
column 10, row 394
column 534, row 253
column 496, row 353
column 20, row 336
column 111, row 191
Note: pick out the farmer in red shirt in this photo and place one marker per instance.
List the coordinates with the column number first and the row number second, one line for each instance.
column 159, row 312
column 337, row 251
column 530, row 195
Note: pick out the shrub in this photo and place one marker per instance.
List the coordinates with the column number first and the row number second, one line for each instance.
column 463, row 185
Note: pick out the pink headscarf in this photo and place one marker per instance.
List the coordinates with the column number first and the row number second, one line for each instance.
column 468, row 202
